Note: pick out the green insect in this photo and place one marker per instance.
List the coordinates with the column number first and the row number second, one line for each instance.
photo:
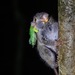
column 32, row 34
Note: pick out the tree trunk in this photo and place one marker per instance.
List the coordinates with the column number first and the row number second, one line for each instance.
column 66, row 53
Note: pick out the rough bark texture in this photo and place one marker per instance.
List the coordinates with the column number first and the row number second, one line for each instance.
column 66, row 53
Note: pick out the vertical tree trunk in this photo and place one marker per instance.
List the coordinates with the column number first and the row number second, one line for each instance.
column 66, row 53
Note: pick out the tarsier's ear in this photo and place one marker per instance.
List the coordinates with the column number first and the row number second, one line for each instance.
column 45, row 15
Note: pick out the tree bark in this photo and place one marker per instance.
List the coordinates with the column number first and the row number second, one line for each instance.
column 66, row 52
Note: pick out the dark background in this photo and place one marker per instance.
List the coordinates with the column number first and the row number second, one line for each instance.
column 18, row 57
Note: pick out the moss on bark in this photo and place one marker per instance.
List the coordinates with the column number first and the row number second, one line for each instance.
column 66, row 53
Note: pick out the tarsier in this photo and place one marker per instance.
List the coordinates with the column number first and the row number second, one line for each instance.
column 44, row 31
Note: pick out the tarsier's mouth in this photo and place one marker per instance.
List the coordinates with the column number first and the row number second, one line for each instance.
column 35, row 29
column 43, row 20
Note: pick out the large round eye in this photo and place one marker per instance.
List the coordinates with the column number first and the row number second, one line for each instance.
column 35, row 19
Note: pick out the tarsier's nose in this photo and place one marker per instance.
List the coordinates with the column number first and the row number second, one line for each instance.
column 33, row 24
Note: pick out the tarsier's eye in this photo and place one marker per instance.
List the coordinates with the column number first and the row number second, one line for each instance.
column 35, row 19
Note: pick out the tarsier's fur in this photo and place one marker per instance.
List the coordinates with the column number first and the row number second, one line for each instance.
column 46, row 40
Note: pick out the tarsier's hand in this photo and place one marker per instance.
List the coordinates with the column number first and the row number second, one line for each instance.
column 59, row 42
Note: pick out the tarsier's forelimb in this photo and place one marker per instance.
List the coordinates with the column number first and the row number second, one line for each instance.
column 46, row 32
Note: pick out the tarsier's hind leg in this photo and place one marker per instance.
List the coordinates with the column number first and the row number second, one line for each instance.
column 48, row 56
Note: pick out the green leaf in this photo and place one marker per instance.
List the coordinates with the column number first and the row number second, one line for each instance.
column 32, row 39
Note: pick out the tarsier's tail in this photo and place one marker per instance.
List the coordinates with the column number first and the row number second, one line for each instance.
column 55, row 70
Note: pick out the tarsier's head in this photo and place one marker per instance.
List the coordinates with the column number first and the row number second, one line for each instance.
column 40, row 19
column 43, row 17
